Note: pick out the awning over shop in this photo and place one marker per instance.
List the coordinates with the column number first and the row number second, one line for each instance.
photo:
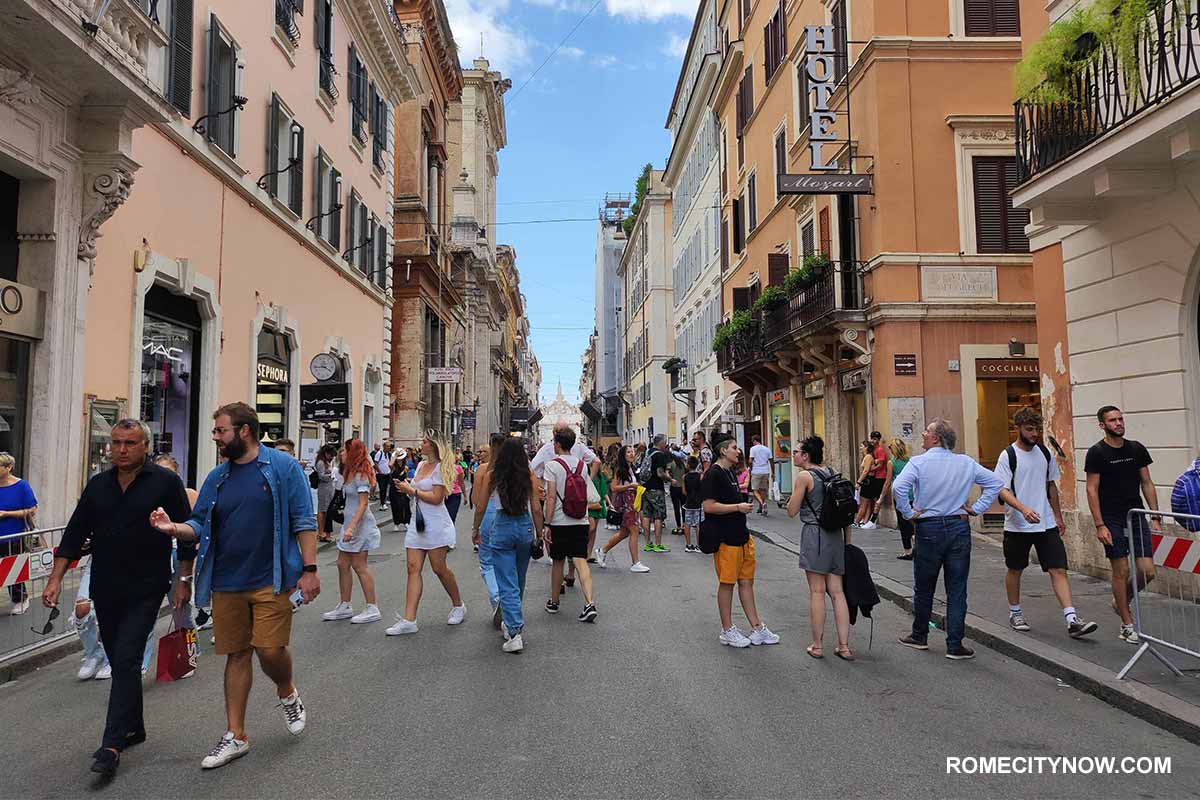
column 716, row 411
column 589, row 410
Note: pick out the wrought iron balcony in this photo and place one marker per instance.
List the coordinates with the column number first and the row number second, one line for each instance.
column 743, row 350
column 326, row 74
column 285, row 19
column 1111, row 86
column 836, row 288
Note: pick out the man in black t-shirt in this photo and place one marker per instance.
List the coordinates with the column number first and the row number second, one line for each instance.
column 654, row 500
column 1118, row 476
column 725, row 517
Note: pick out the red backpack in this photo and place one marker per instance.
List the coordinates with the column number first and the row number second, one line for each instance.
column 575, row 494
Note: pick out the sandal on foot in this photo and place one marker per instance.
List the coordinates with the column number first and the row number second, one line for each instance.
column 815, row 652
column 844, row 652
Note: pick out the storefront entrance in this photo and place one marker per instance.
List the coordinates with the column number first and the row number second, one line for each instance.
column 170, row 366
column 1003, row 387
column 272, row 384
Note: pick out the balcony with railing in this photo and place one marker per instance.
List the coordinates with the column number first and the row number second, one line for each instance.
column 327, row 72
column 285, row 20
column 1107, row 83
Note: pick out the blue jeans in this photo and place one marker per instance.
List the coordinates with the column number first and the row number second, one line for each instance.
column 511, row 539
column 943, row 544
column 485, row 556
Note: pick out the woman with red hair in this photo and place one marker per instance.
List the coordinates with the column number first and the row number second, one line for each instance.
column 360, row 534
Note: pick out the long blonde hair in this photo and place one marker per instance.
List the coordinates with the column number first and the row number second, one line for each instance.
column 445, row 457
column 898, row 449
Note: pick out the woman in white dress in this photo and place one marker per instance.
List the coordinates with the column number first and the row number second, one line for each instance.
column 359, row 536
column 431, row 532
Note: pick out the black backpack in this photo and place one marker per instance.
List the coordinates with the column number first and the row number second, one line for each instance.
column 1012, row 466
column 838, row 506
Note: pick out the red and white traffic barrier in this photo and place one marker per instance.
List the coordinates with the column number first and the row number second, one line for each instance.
column 1174, row 552
column 14, row 569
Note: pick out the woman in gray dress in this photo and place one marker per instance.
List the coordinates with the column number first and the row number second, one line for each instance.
column 822, row 552
column 323, row 467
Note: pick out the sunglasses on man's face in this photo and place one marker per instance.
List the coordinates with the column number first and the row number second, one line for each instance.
column 49, row 626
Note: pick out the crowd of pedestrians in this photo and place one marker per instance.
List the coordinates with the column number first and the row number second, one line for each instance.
column 251, row 534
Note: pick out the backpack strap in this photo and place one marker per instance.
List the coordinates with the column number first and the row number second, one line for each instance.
column 1011, row 452
column 808, row 495
column 578, row 467
column 1046, row 453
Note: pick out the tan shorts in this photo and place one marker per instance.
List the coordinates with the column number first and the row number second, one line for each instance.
column 257, row 618
column 760, row 483
column 734, row 564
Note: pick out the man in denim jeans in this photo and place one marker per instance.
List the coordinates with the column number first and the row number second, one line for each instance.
column 941, row 481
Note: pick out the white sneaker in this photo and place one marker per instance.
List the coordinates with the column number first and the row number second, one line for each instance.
column 369, row 614
column 1128, row 634
column 340, row 611
column 88, row 668
column 868, row 526
column 453, row 546
column 601, row 557
column 294, row 713
column 504, row 631
column 104, row 673
column 402, row 528
column 401, row 627
column 763, row 635
column 457, row 615
column 639, row 567
column 513, row 645
column 20, row 608
column 226, row 750
column 734, row 638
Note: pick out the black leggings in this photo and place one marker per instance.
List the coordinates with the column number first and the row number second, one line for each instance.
column 677, row 504
column 906, row 531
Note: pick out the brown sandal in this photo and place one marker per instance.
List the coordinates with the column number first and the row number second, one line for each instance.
column 815, row 652
column 844, row 652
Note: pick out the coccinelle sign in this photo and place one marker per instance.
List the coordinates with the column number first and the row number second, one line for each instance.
column 1006, row 368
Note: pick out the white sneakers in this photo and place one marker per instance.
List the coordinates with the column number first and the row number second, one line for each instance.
column 601, row 557
column 226, row 750
column 340, row 611
column 734, row 638
column 763, row 635
column 105, row 673
column 88, row 668
column 401, row 627
column 293, row 713
column 369, row 614
column 20, row 608
column 868, row 526
column 513, row 645
column 457, row 615
column 639, row 567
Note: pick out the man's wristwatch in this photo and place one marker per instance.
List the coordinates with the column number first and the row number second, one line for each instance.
column 310, row 568
column 186, row 578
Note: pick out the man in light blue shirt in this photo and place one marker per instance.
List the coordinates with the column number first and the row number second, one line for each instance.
column 940, row 481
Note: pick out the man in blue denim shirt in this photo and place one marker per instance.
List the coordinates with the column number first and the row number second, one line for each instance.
column 258, row 542
column 941, row 481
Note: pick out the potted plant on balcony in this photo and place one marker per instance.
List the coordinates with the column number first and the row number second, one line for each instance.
column 771, row 298
column 673, row 366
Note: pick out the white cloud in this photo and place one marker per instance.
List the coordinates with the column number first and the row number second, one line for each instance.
column 604, row 61
column 504, row 45
column 676, row 46
column 571, row 52
column 651, row 9
column 574, row 6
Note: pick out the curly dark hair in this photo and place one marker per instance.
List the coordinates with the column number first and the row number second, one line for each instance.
column 510, row 477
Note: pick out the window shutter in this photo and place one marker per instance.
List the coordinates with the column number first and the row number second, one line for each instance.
column 737, row 226
column 1007, row 16
column 780, row 160
column 989, row 205
column 351, row 224
column 319, row 22
column 319, row 178
column 841, row 59
column 748, row 103
column 335, row 219
column 1015, row 218
column 297, row 178
column 777, row 268
column 741, row 298
column 752, row 207
column 802, row 80
column 823, row 227
column 352, row 74
column 179, row 80
column 739, row 113
column 724, row 244
column 808, row 245
column 273, row 146
column 213, row 84
column 372, row 110
column 364, row 233
column 992, row 17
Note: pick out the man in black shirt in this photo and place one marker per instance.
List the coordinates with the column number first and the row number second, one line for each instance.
column 1118, row 470
column 131, row 571
column 725, row 516
column 654, row 500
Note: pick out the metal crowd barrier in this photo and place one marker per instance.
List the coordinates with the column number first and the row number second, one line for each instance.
column 1169, row 618
column 29, row 566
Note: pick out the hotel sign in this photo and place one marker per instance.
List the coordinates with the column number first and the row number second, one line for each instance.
column 836, row 183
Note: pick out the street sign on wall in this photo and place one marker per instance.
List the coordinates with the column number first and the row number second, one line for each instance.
column 445, row 374
column 830, row 183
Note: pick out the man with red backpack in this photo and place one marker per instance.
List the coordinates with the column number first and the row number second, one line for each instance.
column 568, row 486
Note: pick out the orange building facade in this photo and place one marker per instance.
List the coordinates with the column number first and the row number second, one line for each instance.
column 913, row 302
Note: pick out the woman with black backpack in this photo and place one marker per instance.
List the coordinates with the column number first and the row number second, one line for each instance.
column 822, row 551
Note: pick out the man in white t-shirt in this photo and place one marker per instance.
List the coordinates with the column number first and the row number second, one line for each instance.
column 383, row 471
column 578, row 449
column 1033, row 518
column 567, row 536
column 762, row 469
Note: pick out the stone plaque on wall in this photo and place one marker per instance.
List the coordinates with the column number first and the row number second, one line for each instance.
column 906, row 420
column 949, row 284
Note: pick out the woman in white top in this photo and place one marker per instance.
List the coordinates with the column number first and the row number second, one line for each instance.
column 431, row 531
column 360, row 535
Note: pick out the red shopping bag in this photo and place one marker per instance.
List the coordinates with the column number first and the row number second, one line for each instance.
column 177, row 652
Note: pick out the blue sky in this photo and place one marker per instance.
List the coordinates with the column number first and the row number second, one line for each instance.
column 583, row 126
